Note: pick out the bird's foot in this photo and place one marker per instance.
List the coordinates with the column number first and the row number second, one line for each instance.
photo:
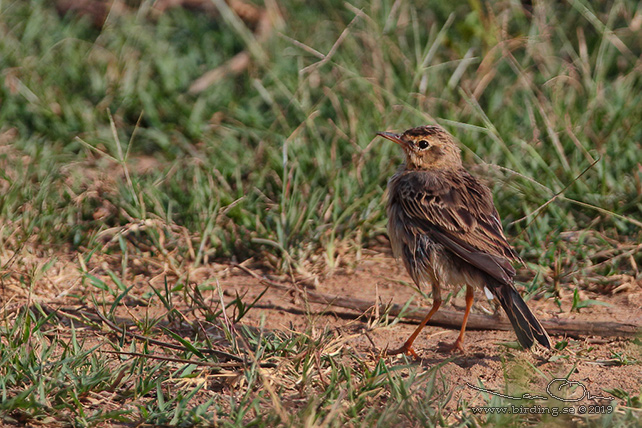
column 405, row 350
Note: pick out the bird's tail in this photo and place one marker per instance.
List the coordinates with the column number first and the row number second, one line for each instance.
column 526, row 326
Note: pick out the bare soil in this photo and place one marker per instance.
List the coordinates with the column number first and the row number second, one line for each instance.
column 488, row 353
column 490, row 359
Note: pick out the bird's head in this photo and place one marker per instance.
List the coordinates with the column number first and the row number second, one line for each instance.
column 427, row 148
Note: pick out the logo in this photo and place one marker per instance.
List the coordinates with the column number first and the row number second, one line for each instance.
column 554, row 390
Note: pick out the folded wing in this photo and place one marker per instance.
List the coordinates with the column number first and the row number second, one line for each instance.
column 458, row 212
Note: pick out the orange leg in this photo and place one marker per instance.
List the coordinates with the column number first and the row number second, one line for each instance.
column 407, row 347
column 459, row 343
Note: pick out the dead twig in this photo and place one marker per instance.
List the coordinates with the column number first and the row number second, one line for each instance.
column 209, row 364
column 264, row 22
column 453, row 319
column 252, row 23
column 446, row 318
column 92, row 316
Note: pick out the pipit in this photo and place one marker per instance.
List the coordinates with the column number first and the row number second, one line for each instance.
column 444, row 226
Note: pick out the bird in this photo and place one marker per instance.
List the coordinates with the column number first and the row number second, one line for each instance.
column 443, row 225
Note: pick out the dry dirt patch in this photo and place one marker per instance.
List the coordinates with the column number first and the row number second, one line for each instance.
column 591, row 360
column 600, row 364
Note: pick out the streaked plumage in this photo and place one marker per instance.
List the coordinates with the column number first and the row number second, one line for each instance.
column 444, row 226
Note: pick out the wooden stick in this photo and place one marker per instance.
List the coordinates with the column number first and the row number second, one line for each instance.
column 263, row 19
column 447, row 318
column 453, row 319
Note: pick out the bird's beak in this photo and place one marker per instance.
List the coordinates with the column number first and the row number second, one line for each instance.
column 393, row 137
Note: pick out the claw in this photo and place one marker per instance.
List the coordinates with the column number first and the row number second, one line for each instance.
column 406, row 350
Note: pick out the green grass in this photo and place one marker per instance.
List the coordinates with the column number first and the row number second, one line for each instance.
column 282, row 158
column 106, row 155
column 49, row 375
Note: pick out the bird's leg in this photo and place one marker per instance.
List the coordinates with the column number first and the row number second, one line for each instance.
column 459, row 343
column 407, row 347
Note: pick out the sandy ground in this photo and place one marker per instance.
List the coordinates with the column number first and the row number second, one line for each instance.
column 596, row 365
column 589, row 360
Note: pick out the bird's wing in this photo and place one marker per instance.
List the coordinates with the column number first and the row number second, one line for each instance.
column 457, row 211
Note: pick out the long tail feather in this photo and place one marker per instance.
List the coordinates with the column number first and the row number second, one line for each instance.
column 526, row 326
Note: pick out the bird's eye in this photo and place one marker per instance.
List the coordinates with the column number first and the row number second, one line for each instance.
column 423, row 144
